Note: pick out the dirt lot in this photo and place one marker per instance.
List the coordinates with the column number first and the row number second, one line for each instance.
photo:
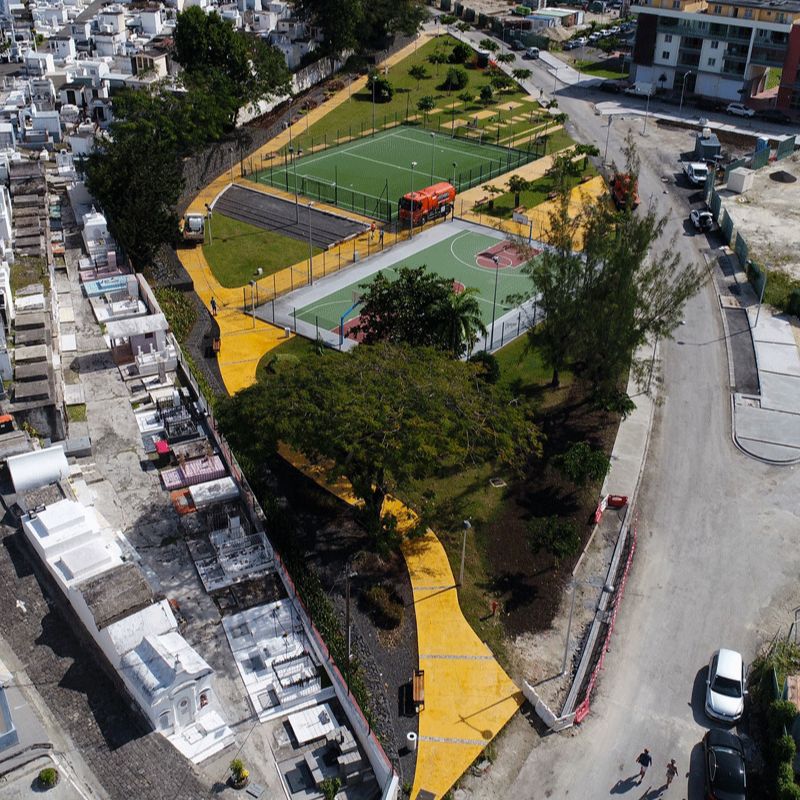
column 768, row 216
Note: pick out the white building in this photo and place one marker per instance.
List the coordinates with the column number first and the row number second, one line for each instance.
column 63, row 49
column 39, row 63
column 96, row 239
column 92, row 565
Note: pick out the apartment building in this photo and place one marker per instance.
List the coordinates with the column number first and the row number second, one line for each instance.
column 731, row 50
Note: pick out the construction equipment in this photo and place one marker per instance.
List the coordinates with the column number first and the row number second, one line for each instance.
column 624, row 191
column 193, row 228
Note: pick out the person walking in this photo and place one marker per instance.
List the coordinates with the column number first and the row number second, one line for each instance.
column 380, row 237
column 371, row 231
column 672, row 771
column 644, row 760
column 213, row 306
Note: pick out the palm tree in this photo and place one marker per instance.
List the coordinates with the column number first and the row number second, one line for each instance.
column 461, row 321
column 517, row 184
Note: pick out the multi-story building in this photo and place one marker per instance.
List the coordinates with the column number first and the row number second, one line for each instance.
column 728, row 50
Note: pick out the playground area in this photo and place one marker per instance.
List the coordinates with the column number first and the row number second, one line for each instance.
column 368, row 175
column 469, row 255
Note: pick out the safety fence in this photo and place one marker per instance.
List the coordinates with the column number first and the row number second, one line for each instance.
column 280, row 170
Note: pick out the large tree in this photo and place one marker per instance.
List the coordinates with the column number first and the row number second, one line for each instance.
column 383, row 416
column 625, row 287
column 242, row 68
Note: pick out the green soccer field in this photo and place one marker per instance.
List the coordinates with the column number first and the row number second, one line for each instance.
column 369, row 175
column 462, row 257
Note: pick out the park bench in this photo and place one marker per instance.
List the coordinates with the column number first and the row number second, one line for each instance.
column 418, row 690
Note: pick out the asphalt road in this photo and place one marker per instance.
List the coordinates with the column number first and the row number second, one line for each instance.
column 714, row 565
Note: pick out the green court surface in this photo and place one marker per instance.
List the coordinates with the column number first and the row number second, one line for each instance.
column 465, row 257
column 370, row 174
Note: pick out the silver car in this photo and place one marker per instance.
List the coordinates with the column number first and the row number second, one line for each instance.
column 725, row 684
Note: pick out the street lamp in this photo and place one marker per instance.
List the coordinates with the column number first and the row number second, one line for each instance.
column 466, row 525
column 411, row 200
column 683, row 87
column 373, row 79
column 310, row 248
column 296, row 199
column 433, row 152
column 496, row 260
column 230, row 153
column 349, row 573
column 208, row 217
column 454, row 173
column 608, row 133
column 253, row 300
column 646, row 112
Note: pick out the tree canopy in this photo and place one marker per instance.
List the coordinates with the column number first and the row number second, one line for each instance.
column 359, row 25
column 421, row 309
column 625, row 286
column 241, row 67
column 383, row 416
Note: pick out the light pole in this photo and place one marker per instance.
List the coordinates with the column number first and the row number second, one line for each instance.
column 569, row 628
column 683, row 88
column 761, row 297
column 296, row 200
column 494, row 301
column 555, row 81
column 466, row 525
column 646, row 113
column 310, row 248
column 411, row 200
column 454, row 173
column 253, row 300
column 349, row 573
column 208, row 217
column 230, row 153
column 373, row 79
column 433, row 152
column 608, row 133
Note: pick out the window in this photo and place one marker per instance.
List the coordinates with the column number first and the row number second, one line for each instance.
column 712, row 62
column 667, row 38
column 676, row 3
column 717, row 9
column 748, row 13
column 665, row 55
column 203, row 700
column 715, row 45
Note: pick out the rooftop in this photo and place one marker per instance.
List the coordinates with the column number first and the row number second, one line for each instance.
column 116, row 594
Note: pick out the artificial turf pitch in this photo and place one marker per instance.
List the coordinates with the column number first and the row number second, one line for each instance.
column 465, row 257
column 368, row 175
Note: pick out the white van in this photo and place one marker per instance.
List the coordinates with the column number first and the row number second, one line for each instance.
column 532, row 52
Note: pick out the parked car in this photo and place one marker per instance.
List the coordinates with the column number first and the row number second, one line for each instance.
column 517, row 45
column 725, row 774
column 570, row 44
column 612, row 87
column 739, row 110
column 615, row 30
column 701, row 219
column 696, row 172
column 581, row 41
column 532, row 52
column 774, row 115
column 725, row 684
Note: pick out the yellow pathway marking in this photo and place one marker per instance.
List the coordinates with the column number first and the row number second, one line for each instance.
column 468, row 696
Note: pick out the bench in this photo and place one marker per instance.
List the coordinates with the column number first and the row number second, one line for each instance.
column 418, row 690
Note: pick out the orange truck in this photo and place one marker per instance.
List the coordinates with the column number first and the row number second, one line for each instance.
column 621, row 190
column 426, row 204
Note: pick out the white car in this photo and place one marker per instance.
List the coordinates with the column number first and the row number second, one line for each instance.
column 739, row 110
column 581, row 41
column 701, row 219
column 696, row 172
column 725, row 684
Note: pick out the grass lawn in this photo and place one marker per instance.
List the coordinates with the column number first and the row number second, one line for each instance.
column 77, row 413
column 538, row 192
column 610, row 68
column 286, row 355
column 356, row 114
column 239, row 249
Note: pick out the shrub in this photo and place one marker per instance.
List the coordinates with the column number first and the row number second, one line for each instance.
column 48, row 777
column 788, row 791
column 457, row 79
column 793, row 306
column 583, row 463
column 384, row 606
column 238, row 771
column 487, row 94
column 785, row 749
column 490, row 365
column 780, row 716
column 330, row 787
column 557, row 536
column 381, row 88
column 178, row 309
column 461, row 54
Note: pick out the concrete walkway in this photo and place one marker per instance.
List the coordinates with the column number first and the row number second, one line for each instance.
column 468, row 696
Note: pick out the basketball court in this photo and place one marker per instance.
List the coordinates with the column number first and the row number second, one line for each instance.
column 467, row 254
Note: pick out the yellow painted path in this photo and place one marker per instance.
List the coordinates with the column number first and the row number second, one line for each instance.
column 468, row 696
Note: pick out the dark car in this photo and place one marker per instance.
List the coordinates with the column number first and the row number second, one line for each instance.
column 517, row 45
column 570, row 45
column 773, row 115
column 612, row 87
column 723, row 756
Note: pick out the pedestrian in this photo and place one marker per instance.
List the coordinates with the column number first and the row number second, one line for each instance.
column 644, row 760
column 371, row 231
column 380, row 237
column 213, row 306
column 672, row 771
